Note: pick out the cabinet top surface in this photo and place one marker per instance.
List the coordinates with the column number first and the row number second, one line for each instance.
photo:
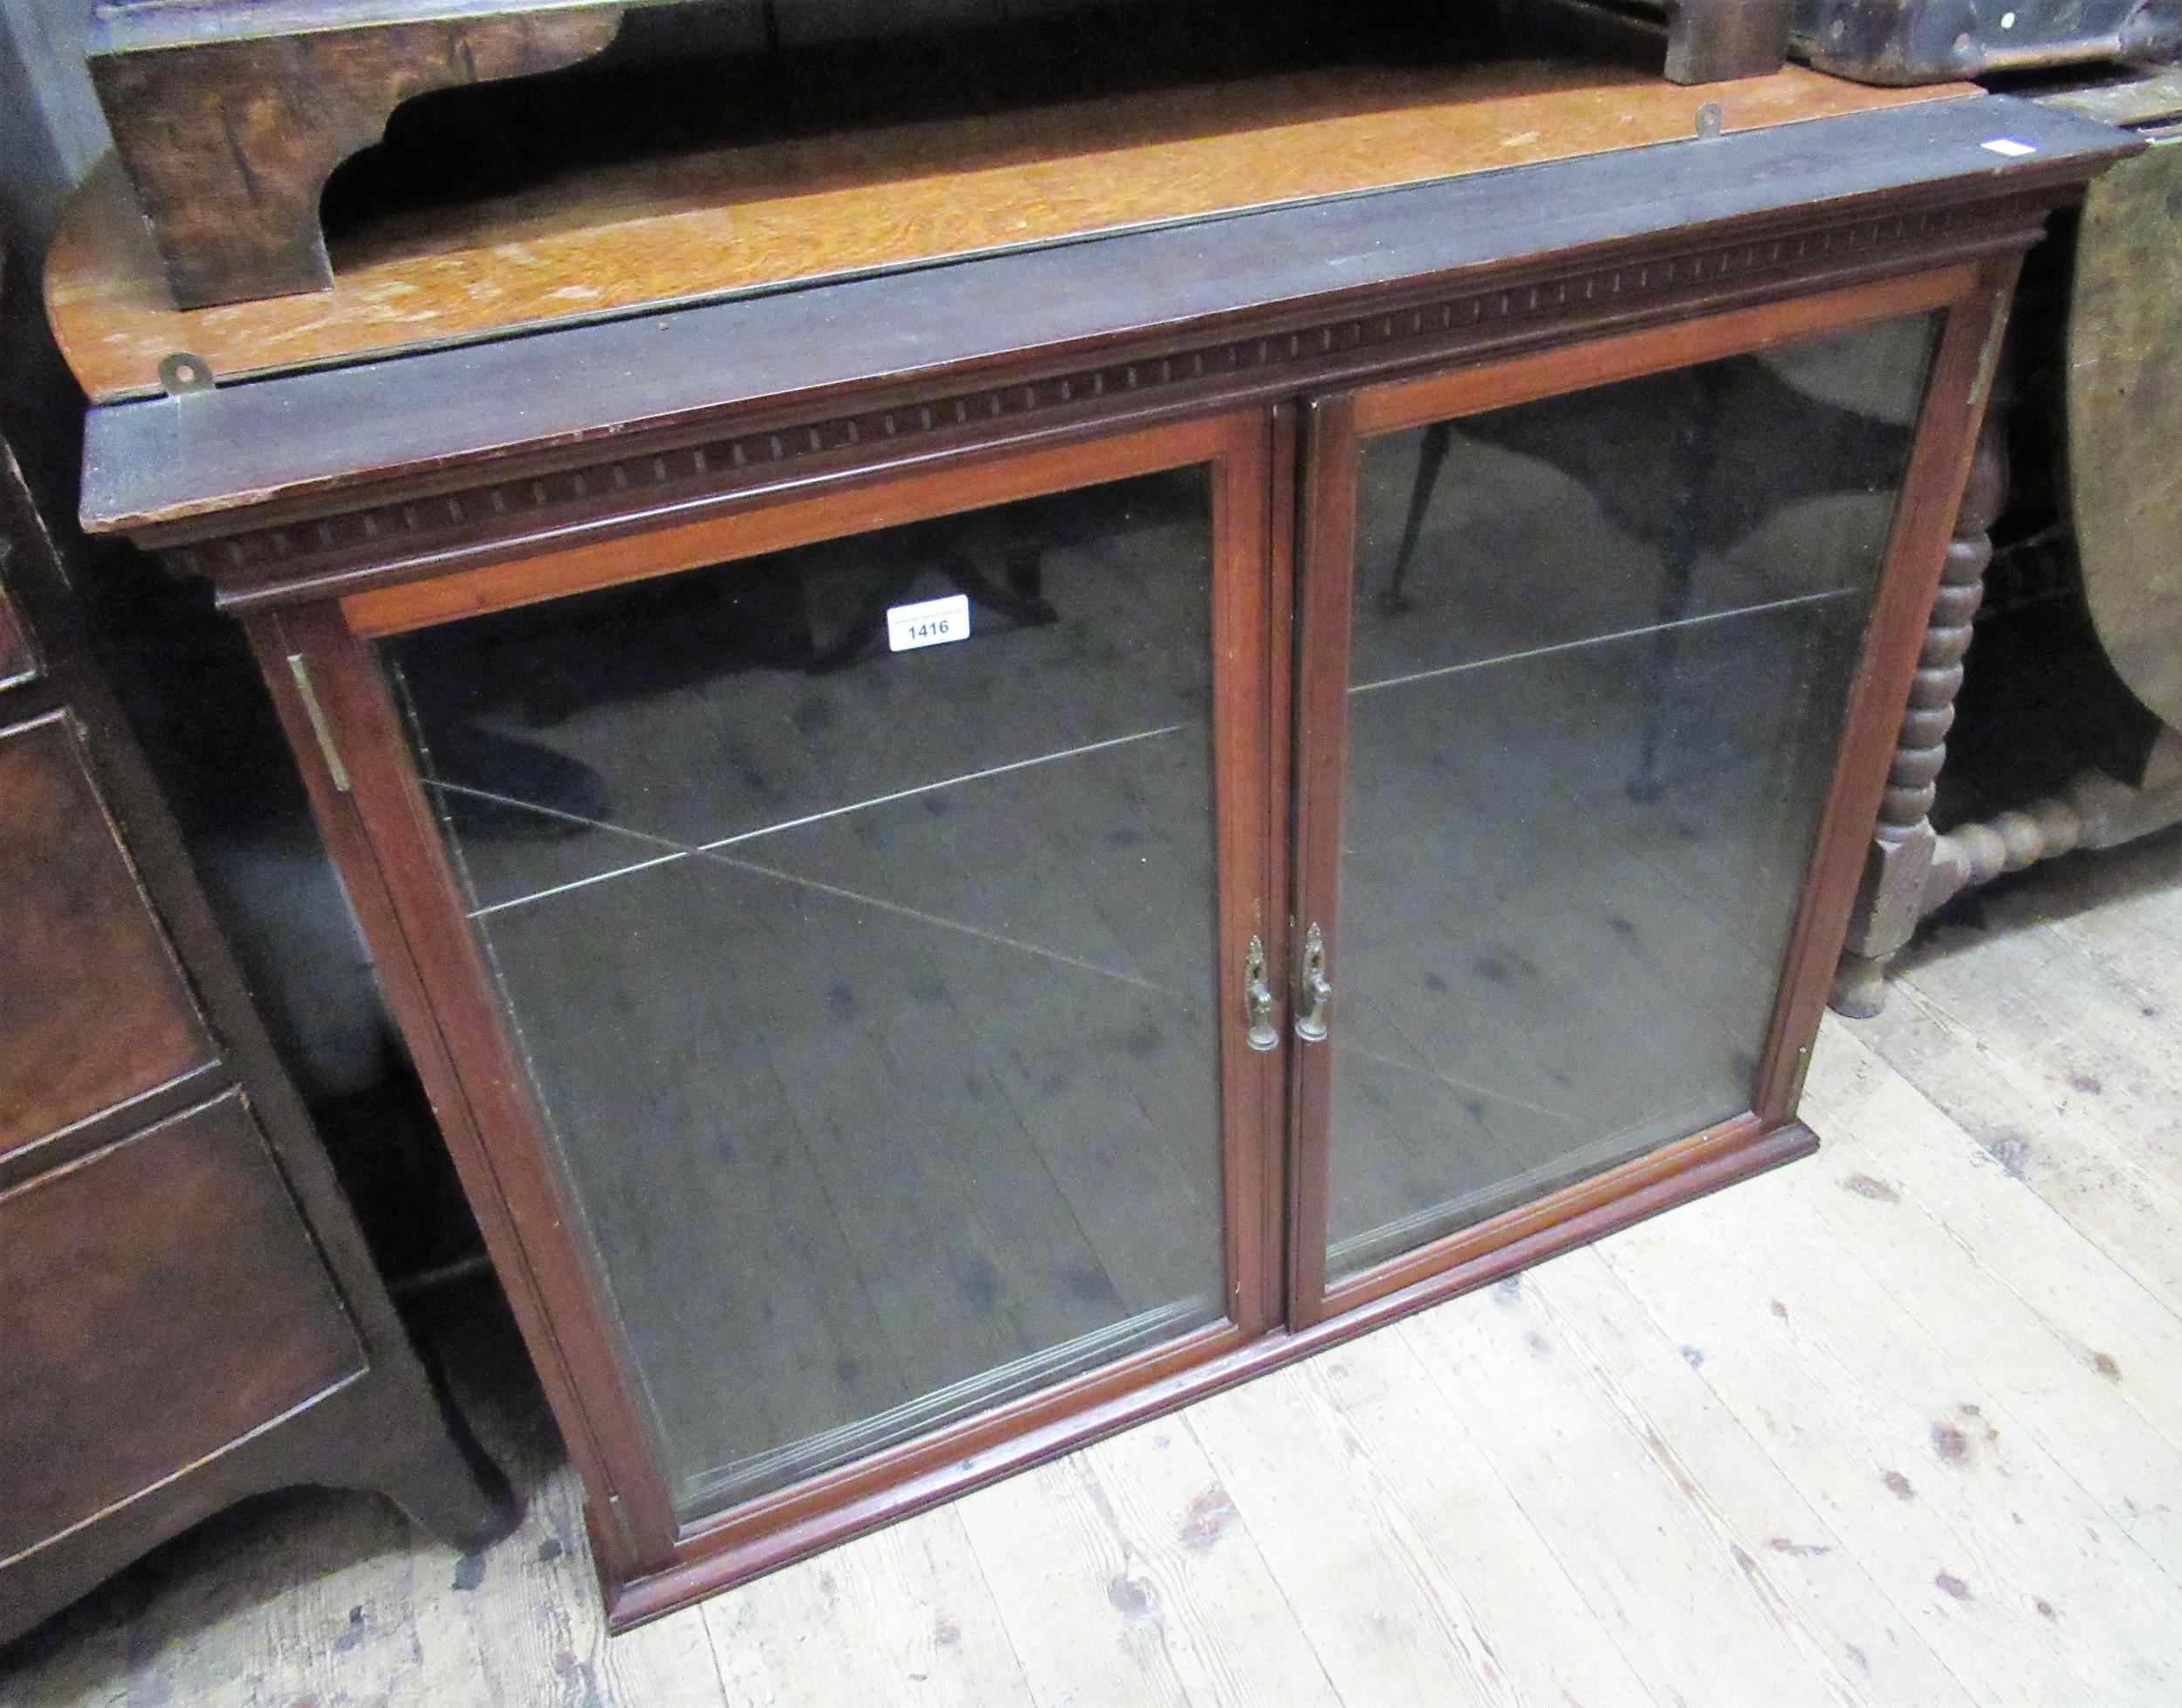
column 321, row 441
column 605, row 241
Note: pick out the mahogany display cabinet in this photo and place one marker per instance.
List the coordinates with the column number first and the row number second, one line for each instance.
column 970, row 853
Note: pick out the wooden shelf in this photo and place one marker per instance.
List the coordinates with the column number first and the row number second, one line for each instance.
column 612, row 242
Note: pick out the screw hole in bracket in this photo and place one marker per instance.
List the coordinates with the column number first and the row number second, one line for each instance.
column 182, row 374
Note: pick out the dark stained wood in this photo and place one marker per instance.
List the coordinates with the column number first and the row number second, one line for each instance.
column 1412, row 402
column 1939, row 468
column 1700, row 41
column 1898, row 864
column 614, row 240
column 718, row 432
column 1915, row 41
column 94, row 1012
column 2125, row 409
column 1709, row 40
column 159, row 1300
column 1284, row 496
column 229, row 137
column 1246, row 787
column 768, row 524
column 1325, row 555
column 382, row 838
column 190, row 1314
column 18, row 658
column 685, row 406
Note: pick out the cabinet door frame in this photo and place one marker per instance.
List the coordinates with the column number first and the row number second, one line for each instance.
column 1972, row 298
column 335, row 700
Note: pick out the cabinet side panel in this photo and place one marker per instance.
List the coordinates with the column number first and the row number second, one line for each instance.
column 93, row 1010
column 159, row 1300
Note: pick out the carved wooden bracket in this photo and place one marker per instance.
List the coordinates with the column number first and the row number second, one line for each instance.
column 229, row 140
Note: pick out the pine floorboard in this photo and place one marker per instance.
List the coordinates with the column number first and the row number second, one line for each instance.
column 1899, row 1424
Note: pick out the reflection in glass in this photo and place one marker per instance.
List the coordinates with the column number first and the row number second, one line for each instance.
column 867, row 994
column 1601, row 652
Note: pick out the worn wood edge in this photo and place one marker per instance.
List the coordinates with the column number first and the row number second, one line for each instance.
column 145, row 29
column 98, row 240
column 1283, row 502
column 1455, row 1251
column 1400, row 403
column 1958, row 389
column 373, row 593
column 100, row 1129
column 1243, row 480
column 401, row 979
column 1325, row 550
column 1691, row 1169
column 137, row 481
column 316, row 543
column 766, row 521
column 266, row 1459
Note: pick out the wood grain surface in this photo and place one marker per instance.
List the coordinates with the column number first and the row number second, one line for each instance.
column 95, row 1011
column 1724, row 1448
column 610, row 241
column 163, row 1299
column 18, row 659
column 229, row 142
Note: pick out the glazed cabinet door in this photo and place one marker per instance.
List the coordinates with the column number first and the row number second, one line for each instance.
column 861, row 890
column 1575, row 667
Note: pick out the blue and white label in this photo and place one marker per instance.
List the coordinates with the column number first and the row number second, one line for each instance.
column 930, row 623
column 2007, row 146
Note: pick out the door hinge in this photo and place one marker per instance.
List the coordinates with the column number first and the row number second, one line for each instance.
column 319, row 727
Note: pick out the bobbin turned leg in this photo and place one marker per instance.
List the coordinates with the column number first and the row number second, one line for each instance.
column 1900, row 863
column 2094, row 811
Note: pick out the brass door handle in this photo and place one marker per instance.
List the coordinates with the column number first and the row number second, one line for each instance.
column 1313, row 990
column 1258, row 1000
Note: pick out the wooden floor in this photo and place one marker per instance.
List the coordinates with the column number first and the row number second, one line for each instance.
column 1900, row 1424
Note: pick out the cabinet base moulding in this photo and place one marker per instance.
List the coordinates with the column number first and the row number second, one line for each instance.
column 1682, row 1173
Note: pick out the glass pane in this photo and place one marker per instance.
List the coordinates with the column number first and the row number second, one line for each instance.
column 869, row 994
column 1602, row 647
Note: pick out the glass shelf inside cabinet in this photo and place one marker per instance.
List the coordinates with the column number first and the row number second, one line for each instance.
column 1602, row 650
column 867, row 994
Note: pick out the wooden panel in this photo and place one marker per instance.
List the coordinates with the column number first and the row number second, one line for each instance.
column 2125, row 402
column 229, row 181
column 158, row 1300
column 1266, row 301
column 610, row 240
column 17, row 660
column 777, row 526
column 93, row 1010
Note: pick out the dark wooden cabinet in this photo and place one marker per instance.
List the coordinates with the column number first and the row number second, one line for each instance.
column 187, row 1312
column 106, row 1267
column 970, row 855
column 96, row 1013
